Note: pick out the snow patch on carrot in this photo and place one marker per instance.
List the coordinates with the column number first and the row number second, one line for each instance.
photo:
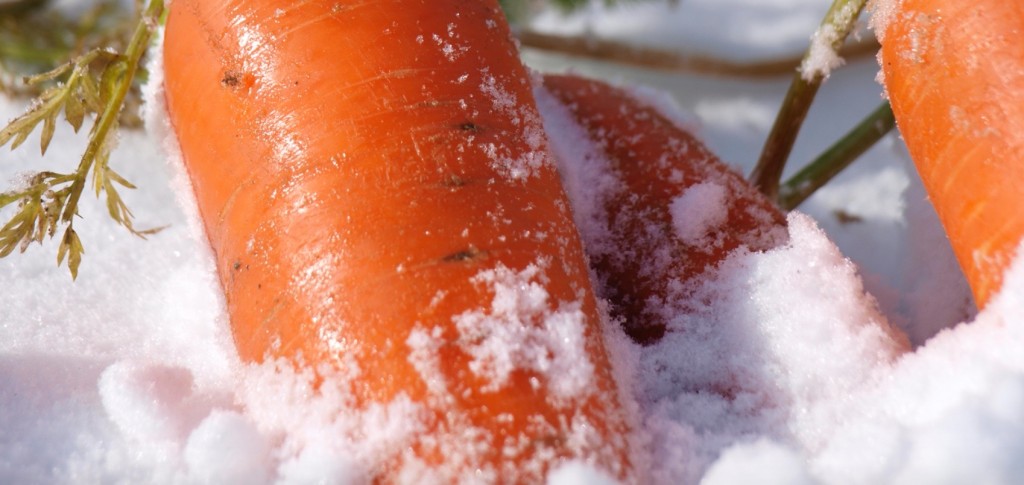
column 451, row 51
column 520, row 331
column 524, row 165
column 698, row 211
column 424, row 357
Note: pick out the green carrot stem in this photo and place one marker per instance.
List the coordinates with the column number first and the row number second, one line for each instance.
column 834, row 29
column 837, row 157
column 107, row 121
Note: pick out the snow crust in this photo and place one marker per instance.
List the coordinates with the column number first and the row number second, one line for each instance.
column 795, row 365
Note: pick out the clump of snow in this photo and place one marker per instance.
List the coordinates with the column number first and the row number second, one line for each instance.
column 699, row 210
column 822, row 56
column 319, row 429
column 227, row 448
column 883, row 12
column 762, row 461
column 775, row 342
column 577, row 473
column 520, row 331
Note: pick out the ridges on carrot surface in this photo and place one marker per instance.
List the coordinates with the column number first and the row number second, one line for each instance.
column 670, row 212
column 954, row 73
column 376, row 186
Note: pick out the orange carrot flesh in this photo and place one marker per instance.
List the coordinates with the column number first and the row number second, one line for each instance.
column 954, row 73
column 368, row 172
column 649, row 263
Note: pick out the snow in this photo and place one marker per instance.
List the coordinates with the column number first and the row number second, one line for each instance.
column 697, row 211
column 504, row 101
column 851, row 354
column 520, row 332
column 822, row 57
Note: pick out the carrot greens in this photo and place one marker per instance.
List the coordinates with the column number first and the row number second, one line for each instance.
column 94, row 84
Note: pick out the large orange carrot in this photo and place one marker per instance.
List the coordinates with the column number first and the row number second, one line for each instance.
column 679, row 210
column 375, row 183
column 954, row 73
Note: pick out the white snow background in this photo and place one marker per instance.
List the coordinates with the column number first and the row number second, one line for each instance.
column 129, row 375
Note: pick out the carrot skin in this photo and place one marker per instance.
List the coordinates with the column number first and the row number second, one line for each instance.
column 361, row 168
column 647, row 265
column 954, row 74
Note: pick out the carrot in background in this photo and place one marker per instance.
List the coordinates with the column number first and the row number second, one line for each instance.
column 679, row 212
column 954, row 73
column 375, row 183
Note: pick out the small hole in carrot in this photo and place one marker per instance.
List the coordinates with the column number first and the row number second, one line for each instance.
column 469, row 254
column 453, row 180
column 469, row 126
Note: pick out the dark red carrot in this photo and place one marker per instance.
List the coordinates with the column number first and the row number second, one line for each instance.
column 679, row 212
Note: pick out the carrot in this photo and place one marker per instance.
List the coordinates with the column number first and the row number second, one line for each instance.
column 376, row 185
column 954, row 73
column 680, row 210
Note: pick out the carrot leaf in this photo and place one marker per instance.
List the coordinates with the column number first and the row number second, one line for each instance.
column 35, row 36
column 93, row 85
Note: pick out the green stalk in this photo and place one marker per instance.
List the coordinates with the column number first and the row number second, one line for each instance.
column 837, row 157
column 108, row 119
column 838, row 23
